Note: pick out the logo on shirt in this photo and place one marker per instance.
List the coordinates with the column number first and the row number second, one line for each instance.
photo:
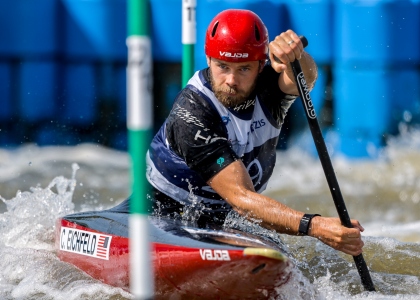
column 207, row 139
column 255, row 171
column 245, row 105
column 257, row 124
column 187, row 116
column 220, row 161
column 225, row 120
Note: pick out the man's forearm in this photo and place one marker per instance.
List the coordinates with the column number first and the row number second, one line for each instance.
column 310, row 69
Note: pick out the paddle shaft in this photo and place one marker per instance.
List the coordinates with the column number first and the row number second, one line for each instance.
column 327, row 165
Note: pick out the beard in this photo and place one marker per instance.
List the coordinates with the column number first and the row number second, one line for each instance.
column 235, row 96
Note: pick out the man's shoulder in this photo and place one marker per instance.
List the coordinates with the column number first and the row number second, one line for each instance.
column 192, row 98
column 192, row 109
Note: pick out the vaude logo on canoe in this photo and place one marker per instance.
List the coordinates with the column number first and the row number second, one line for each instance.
column 208, row 254
column 85, row 242
column 234, row 55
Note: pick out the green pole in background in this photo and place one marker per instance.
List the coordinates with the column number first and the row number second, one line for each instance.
column 139, row 125
column 188, row 39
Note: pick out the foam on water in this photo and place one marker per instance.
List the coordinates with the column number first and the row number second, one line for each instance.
column 29, row 268
column 380, row 193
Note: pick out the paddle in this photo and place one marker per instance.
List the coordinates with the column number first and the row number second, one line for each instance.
column 327, row 165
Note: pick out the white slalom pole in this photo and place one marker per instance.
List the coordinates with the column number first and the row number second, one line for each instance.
column 189, row 30
column 139, row 125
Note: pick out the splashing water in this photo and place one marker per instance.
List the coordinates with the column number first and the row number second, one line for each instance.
column 194, row 209
column 381, row 194
column 32, row 225
column 29, row 268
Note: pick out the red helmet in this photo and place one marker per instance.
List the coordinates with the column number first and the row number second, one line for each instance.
column 237, row 35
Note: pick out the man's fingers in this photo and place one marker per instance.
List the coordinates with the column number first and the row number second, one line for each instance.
column 349, row 248
column 295, row 44
column 286, row 47
column 331, row 232
column 356, row 224
column 353, row 252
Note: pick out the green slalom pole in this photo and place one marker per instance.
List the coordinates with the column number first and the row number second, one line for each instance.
column 188, row 39
column 139, row 125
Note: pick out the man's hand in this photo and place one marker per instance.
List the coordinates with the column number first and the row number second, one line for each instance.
column 332, row 233
column 284, row 49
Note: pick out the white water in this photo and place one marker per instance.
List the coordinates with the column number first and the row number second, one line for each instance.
column 37, row 186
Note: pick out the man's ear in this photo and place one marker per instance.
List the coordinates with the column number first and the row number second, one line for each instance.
column 261, row 66
column 208, row 60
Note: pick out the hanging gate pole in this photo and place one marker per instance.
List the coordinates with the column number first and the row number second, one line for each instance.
column 139, row 125
column 188, row 39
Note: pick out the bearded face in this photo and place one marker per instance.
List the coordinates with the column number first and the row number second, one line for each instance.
column 232, row 83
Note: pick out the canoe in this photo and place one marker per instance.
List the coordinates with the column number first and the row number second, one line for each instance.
column 188, row 262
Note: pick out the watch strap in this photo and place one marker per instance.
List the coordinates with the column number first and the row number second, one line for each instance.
column 305, row 222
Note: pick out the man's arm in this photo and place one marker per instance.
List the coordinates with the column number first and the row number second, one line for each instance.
column 235, row 186
column 285, row 48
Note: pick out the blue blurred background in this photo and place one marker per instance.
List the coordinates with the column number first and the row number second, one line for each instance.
column 63, row 81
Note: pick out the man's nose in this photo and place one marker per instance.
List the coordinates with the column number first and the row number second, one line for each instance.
column 231, row 79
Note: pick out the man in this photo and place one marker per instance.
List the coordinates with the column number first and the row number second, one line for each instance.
column 216, row 151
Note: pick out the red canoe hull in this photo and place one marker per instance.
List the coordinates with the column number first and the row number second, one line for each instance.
column 179, row 271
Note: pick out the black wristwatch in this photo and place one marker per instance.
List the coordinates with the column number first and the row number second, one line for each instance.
column 305, row 222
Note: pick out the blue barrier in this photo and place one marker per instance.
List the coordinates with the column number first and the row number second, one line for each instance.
column 26, row 28
column 7, row 141
column 359, row 145
column 368, row 33
column 314, row 19
column 364, row 101
column 95, row 29
column 276, row 20
column 47, row 136
column 37, row 91
column 6, row 106
column 358, row 94
column 166, row 28
column 405, row 98
column 373, row 44
column 120, row 140
column 106, row 76
column 79, row 95
column 371, row 68
column 53, row 135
